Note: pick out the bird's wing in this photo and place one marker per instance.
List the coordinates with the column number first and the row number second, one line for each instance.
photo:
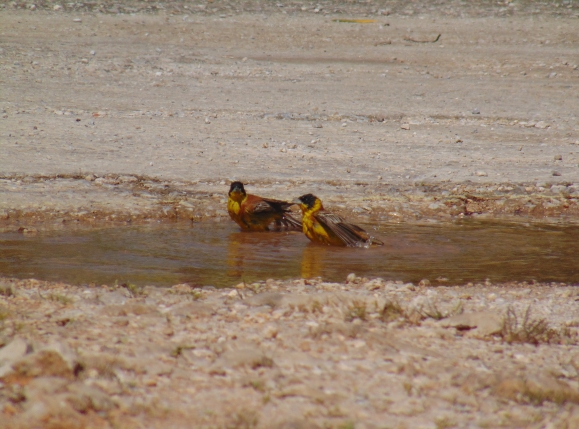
column 257, row 204
column 351, row 234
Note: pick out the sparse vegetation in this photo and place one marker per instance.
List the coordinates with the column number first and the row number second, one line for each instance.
column 62, row 299
column 356, row 310
column 178, row 351
column 135, row 290
column 244, row 419
column 523, row 328
column 444, row 423
column 391, row 311
column 431, row 310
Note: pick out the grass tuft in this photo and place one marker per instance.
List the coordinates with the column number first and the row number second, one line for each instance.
column 432, row 311
column 135, row 290
column 356, row 310
column 522, row 328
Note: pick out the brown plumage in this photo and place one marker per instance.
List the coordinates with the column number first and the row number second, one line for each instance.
column 253, row 213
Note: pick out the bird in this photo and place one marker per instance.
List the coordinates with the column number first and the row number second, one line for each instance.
column 253, row 213
column 327, row 228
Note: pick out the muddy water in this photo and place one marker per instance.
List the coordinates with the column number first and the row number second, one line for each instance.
column 219, row 254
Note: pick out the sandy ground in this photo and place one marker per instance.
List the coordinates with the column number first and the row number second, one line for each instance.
column 131, row 111
column 289, row 99
column 301, row 354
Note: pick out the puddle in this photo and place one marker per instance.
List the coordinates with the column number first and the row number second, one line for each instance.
column 219, row 254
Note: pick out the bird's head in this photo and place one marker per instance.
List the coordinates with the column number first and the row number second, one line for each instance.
column 308, row 202
column 237, row 191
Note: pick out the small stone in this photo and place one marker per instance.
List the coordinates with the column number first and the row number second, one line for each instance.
column 270, row 331
column 344, row 124
column 251, row 358
column 207, row 121
column 13, row 351
column 56, row 360
column 351, row 278
column 558, row 157
column 27, row 230
column 542, row 125
column 481, row 173
column 77, row 20
column 317, row 125
column 552, row 75
column 85, row 398
column 424, row 283
column 84, row 61
column 405, row 126
column 57, row 7
column 484, row 322
column 6, row 289
column 476, row 111
column 92, row 52
column 273, row 299
column 151, row 163
column 556, row 173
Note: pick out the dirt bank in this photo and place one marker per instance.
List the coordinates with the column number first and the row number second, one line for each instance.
column 186, row 99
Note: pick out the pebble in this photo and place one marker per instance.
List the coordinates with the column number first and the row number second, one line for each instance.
column 476, row 111
column 7, row 289
column 558, row 157
column 15, row 350
column 556, row 173
column 481, row 173
column 405, row 126
column 542, row 125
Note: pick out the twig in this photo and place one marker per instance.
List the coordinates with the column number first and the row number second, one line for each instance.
column 408, row 39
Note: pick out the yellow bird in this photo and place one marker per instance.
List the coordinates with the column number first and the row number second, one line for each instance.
column 253, row 213
column 327, row 228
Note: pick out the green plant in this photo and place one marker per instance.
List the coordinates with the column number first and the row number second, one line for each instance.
column 134, row 289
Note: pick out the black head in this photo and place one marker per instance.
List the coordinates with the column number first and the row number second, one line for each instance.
column 308, row 199
column 237, row 187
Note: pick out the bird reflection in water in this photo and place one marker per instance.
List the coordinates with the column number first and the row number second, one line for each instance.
column 313, row 258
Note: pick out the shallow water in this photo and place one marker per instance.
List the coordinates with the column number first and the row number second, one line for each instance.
column 219, row 254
